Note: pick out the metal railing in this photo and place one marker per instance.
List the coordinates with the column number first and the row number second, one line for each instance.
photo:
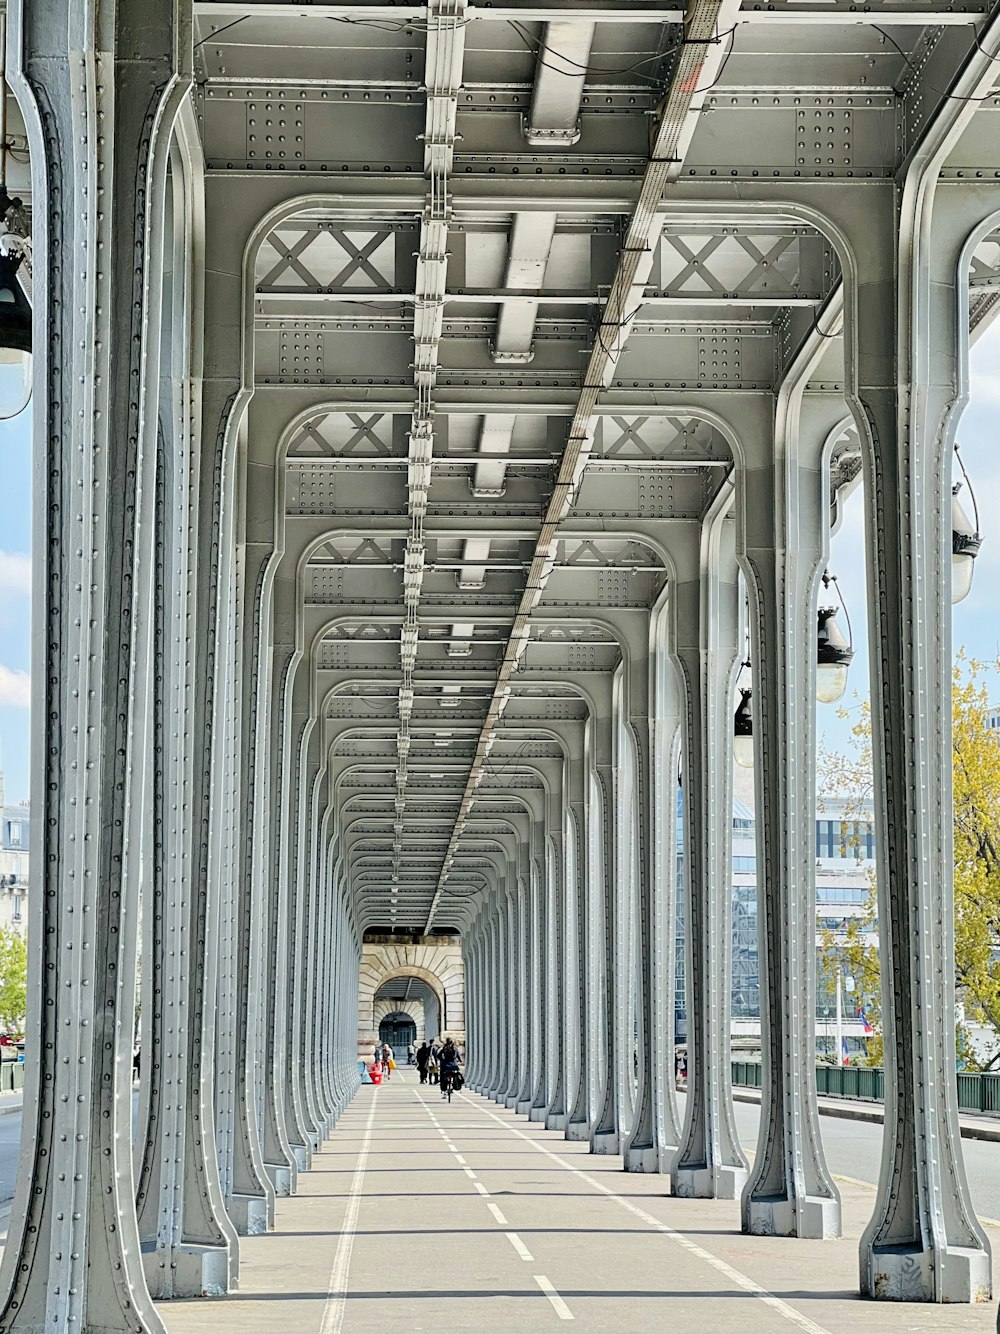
column 976, row 1092
column 11, row 1076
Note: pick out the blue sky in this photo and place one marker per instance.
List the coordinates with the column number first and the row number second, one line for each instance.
column 976, row 620
column 15, row 597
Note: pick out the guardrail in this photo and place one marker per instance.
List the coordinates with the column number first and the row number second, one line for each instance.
column 11, row 1076
column 976, row 1092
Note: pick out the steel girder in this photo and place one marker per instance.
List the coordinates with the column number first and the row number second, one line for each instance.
column 607, row 365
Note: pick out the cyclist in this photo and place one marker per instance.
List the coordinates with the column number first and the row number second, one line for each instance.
column 448, row 1062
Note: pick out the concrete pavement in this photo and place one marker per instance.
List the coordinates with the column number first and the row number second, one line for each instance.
column 422, row 1215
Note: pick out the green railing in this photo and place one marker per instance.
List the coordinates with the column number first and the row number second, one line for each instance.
column 976, row 1092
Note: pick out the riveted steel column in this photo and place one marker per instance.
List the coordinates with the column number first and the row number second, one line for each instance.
column 625, row 878
column 581, row 1037
column 473, row 1043
column 924, row 1242
column 190, row 1247
column 782, row 530
column 513, row 947
column 710, row 1162
column 666, row 746
column 99, row 88
column 499, row 1084
column 642, row 1151
column 557, row 1111
column 528, row 966
column 589, row 935
column 319, row 908
column 300, row 935
column 605, row 1135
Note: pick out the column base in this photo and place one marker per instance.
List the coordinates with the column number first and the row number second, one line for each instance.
column 537, row 1113
column 186, row 1271
column 280, row 1177
column 708, row 1183
column 510, row 1102
column 578, row 1130
column 303, row 1156
column 903, row 1274
column 812, row 1217
column 557, row 1121
column 249, row 1214
column 606, row 1142
column 524, row 1107
column 647, row 1160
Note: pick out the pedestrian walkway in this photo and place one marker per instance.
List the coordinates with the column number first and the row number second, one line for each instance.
column 426, row 1215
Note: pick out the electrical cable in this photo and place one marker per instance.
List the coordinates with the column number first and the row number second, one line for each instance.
column 953, row 97
column 219, row 31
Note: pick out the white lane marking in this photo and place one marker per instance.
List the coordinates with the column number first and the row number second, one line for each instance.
column 495, row 1211
column 482, row 1189
column 459, row 1158
column 744, row 1281
column 469, row 1173
column 558, row 1305
column 336, row 1301
column 519, row 1246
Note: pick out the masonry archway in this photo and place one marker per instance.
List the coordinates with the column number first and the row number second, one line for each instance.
column 397, row 973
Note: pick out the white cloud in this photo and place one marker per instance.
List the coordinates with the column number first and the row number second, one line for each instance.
column 984, row 387
column 15, row 574
column 15, row 688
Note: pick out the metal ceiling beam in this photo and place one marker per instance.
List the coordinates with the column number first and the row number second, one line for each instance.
column 699, row 64
column 894, row 13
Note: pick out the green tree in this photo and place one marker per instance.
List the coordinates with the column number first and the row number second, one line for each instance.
column 976, row 781
column 13, row 982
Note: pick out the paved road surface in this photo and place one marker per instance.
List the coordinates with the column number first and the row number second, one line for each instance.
column 420, row 1215
column 853, row 1149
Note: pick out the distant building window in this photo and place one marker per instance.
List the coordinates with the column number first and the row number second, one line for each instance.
column 14, row 833
column 16, row 907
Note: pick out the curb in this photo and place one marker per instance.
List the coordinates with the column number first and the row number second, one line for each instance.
column 8, row 1108
column 876, row 1115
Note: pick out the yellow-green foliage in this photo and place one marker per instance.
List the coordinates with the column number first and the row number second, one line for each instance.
column 977, row 864
column 13, row 982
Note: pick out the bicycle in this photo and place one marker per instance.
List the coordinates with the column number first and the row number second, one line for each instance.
column 447, row 1080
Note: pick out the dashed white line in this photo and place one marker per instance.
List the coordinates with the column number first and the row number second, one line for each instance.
column 336, row 1301
column 459, row 1159
column 519, row 1246
column 482, row 1189
column 495, row 1211
column 558, row 1305
column 469, row 1173
column 748, row 1284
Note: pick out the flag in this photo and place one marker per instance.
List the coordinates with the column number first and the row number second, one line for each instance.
column 865, row 1023
column 844, row 1052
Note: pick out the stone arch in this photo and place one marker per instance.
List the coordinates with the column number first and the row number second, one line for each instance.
column 412, row 1007
column 436, row 961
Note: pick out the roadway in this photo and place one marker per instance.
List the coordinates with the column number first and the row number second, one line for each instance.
column 422, row 1215
column 853, row 1151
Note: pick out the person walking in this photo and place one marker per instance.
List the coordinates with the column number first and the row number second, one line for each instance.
column 387, row 1061
column 423, row 1058
column 411, row 1052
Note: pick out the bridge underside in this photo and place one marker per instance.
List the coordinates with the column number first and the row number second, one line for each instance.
column 430, row 399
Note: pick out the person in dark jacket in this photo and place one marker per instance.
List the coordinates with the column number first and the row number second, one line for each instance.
column 449, row 1060
column 423, row 1056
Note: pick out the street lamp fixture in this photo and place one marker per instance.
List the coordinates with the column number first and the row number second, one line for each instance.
column 743, row 730
column 833, row 652
column 965, row 538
